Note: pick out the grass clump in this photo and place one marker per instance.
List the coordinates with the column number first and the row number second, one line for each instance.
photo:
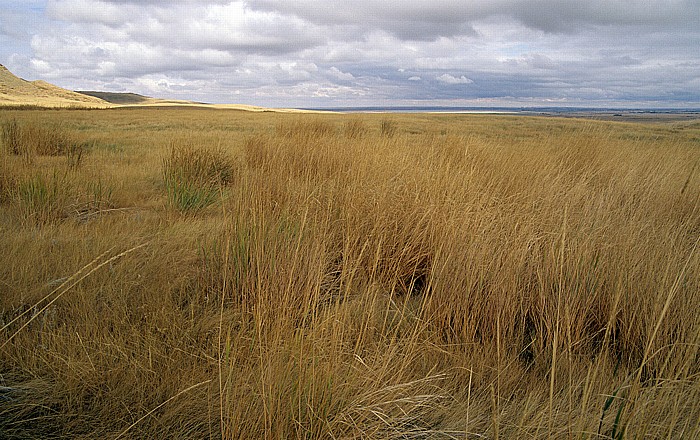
column 387, row 128
column 43, row 200
column 195, row 176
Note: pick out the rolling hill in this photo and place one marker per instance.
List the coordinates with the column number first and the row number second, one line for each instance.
column 15, row 91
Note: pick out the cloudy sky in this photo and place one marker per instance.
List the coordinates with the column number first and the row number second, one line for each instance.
column 316, row 53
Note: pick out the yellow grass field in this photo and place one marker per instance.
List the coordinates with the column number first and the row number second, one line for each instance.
column 201, row 273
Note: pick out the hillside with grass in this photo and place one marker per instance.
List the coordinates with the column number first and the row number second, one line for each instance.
column 219, row 274
column 15, row 91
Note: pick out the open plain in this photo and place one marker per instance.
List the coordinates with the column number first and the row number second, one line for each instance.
column 202, row 273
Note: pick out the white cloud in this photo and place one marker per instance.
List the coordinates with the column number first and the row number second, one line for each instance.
column 295, row 71
column 414, row 78
column 449, row 79
column 339, row 75
column 40, row 66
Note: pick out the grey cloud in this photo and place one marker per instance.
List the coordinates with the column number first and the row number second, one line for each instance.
column 430, row 19
column 87, row 11
column 567, row 16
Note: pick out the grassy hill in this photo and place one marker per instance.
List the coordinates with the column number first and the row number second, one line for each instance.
column 15, row 91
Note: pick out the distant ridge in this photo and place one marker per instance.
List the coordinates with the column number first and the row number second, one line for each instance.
column 117, row 98
column 134, row 99
column 15, row 91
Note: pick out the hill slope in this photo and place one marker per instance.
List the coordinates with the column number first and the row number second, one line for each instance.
column 16, row 91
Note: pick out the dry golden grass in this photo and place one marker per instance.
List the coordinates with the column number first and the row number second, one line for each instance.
column 411, row 276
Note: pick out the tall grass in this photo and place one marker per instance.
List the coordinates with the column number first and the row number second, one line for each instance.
column 476, row 277
column 34, row 137
column 5, row 179
column 31, row 138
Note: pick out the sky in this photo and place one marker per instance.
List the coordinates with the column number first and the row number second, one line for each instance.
column 344, row 53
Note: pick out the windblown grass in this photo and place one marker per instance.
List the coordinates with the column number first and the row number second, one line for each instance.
column 424, row 276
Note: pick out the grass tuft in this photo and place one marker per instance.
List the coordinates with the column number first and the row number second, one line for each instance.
column 387, row 128
column 195, row 176
column 43, row 200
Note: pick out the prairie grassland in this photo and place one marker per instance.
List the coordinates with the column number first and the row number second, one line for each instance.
column 223, row 274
